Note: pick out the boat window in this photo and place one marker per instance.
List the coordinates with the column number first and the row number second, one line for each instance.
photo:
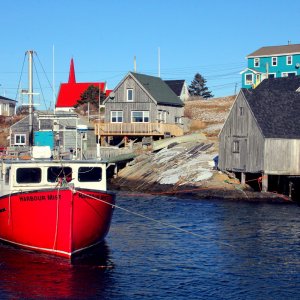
column 29, row 175
column 54, row 174
column 89, row 174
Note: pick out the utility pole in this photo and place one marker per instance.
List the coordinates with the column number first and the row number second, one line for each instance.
column 158, row 61
column 235, row 87
column 134, row 64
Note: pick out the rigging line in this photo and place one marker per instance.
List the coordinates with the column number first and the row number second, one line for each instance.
column 154, row 220
column 52, row 88
column 20, row 77
column 43, row 97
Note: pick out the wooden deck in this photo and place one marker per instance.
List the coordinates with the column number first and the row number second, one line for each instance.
column 137, row 129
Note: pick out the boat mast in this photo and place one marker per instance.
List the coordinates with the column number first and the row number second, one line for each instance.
column 30, row 96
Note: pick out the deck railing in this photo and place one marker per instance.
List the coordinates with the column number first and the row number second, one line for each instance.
column 142, row 129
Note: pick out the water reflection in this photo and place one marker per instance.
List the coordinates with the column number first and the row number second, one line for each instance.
column 26, row 274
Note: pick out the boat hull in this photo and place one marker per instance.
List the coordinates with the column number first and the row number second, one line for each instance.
column 61, row 221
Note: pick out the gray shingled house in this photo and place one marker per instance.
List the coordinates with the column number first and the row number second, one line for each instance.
column 141, row 106
column 7, row 106
column 261, row 136
column 179, row 87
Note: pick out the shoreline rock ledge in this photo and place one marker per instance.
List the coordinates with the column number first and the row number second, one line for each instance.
column 185, row 168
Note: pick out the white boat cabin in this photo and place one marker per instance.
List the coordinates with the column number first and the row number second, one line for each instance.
column 24, row 175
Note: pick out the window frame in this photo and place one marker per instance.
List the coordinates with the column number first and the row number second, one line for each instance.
column 20, row 135
column 127, row 95
column 274, row 61
column 287, row 60
column 27, row 178
column 83, row 170
column 178, row 120
column 286, row 74
column 257, row 62
column 144, row 115
column 117, row 116
column 248, row 82
column 236, row 146
column 241, row 110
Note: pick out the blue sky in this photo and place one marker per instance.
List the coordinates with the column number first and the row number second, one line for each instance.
column 210, row 37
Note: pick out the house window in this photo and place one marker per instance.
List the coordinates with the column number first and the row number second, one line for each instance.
column 256, row 62
column 242, row 111
column 129, row 94
column 289, row 60
column 139, row 116
column 236, row 147
column 177, row 120
column 271, row 75
column 20, row 139
column 249, row 78
column 274, row 61
column 288, row 74
column 116, row 117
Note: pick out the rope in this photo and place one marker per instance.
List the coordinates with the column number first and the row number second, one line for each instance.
column 20, row 77
column 152, row 219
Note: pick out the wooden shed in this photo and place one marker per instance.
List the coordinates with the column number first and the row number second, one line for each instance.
column 62, row 131
column 261, row 136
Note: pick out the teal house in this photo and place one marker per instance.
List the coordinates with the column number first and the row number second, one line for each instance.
column 271, row 62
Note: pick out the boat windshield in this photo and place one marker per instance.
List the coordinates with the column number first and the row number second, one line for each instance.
column 55, row 174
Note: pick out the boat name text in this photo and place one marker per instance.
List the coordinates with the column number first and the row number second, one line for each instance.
column 40, row 197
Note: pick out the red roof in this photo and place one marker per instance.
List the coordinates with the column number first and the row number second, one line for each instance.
column 69, row 93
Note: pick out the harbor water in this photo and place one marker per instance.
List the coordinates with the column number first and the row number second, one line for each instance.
column 171, row 248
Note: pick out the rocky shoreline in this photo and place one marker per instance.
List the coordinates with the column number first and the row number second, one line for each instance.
column 185, row 169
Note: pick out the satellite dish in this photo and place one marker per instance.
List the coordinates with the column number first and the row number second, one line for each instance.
column 297, row 65
column 112, row 95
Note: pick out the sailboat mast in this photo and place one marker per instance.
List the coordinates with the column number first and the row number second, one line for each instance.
column 30, row 96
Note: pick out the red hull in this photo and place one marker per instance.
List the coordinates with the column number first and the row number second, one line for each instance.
column 57, row 221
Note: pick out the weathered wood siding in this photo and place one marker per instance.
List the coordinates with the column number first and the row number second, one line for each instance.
column 242, row 128
column 141, row 102
column 282, row 156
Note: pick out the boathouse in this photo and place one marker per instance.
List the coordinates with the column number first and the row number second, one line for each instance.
column 260, row 140
column 141, row 106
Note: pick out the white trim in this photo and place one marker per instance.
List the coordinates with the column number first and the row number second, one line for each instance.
column 288, row 61
column 127, row 98
column 20, row 135
column 144, row 115
column 258, row 62
column 287, row 73
column 248, row 82
column 116, row 111
column 274, row 54
column 272, row 62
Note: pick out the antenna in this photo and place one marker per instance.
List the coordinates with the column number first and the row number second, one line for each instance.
column 158, row 61
column 134, row 64
column 53, row 79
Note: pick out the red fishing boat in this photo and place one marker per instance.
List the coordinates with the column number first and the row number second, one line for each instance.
column 56, row 206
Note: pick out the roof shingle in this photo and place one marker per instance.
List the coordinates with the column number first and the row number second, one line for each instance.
column 158, row 89
column 276, row 50
column 276, row 107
